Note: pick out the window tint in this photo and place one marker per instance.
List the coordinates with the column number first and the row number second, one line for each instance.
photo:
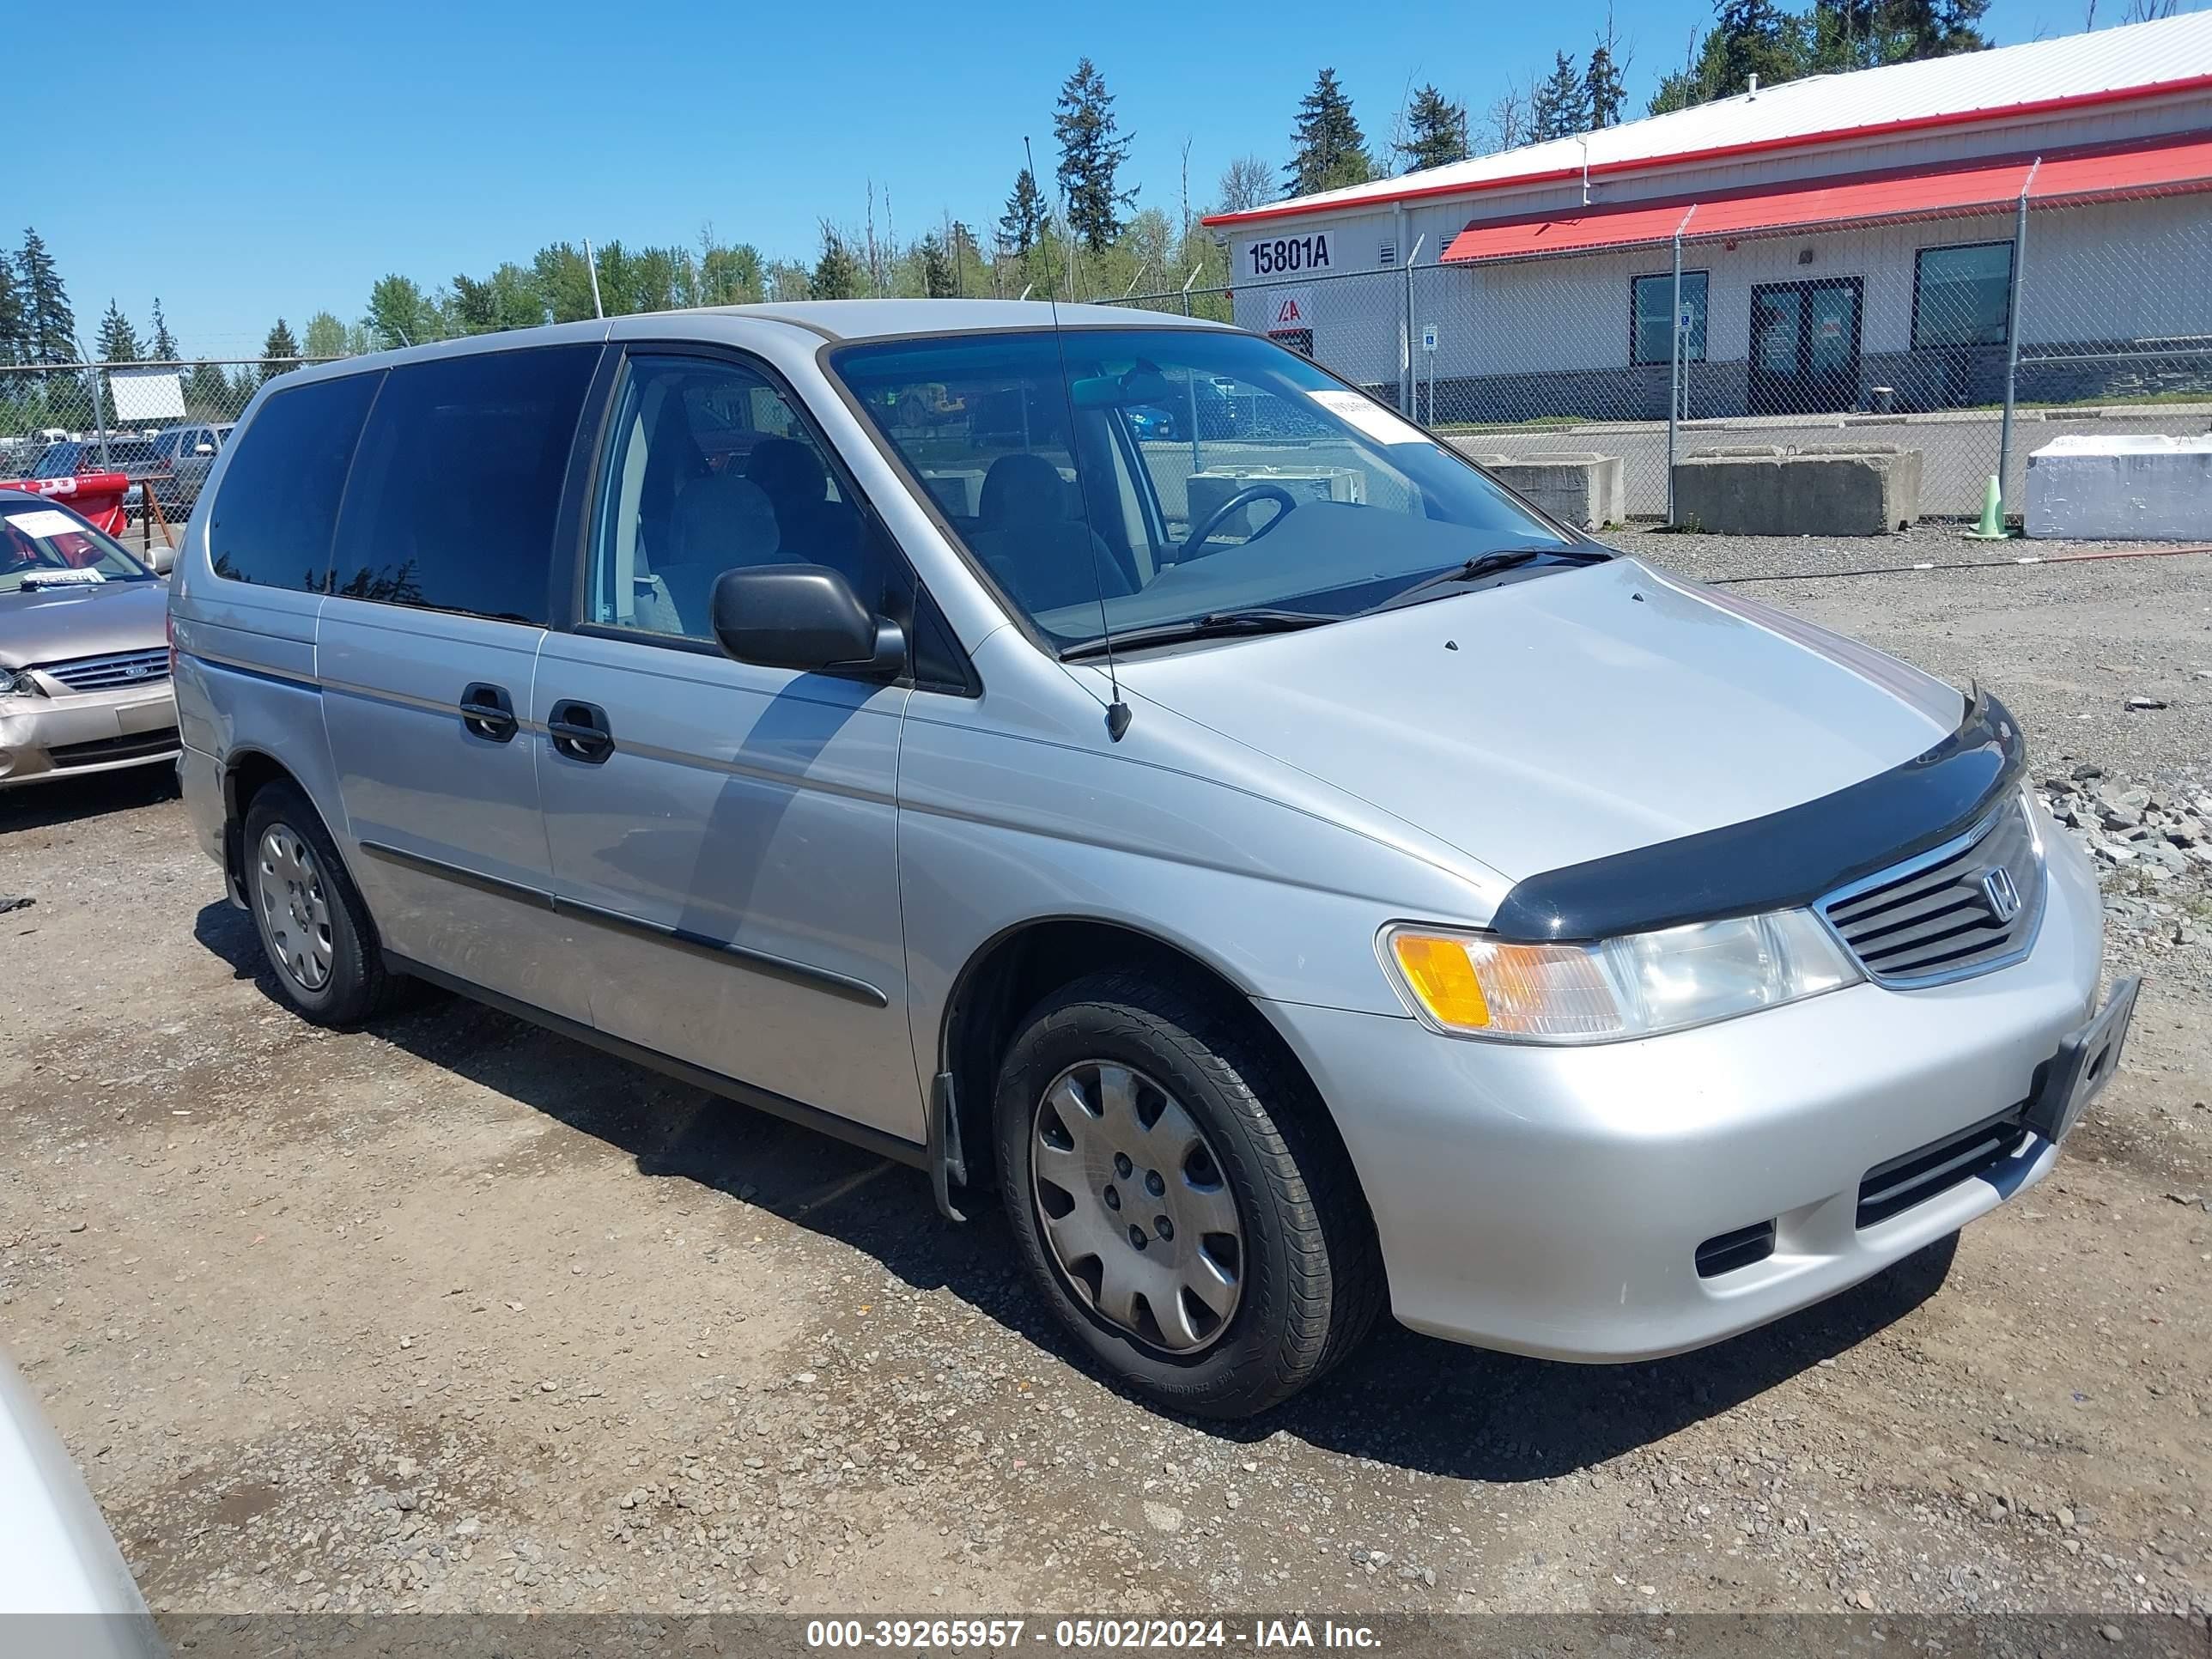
column 279, row 503
column 1961, row 294
column 708, row 470
column 1652, row 328
column 458, row 483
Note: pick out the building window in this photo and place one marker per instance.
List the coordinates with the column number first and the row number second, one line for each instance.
column 1651, row 319
column 1960, row 295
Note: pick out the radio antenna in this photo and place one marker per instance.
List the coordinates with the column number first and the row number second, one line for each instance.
column 1117, row 712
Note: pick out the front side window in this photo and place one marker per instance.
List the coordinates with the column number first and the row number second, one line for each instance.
column 1652, row 327
column 1961, row 295
column 708, row 469
column 455, row 491
column 1167, row 475
column 279, row 503
column 46, row 546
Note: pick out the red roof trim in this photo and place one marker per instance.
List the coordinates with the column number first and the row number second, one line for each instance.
column 1987, row 184
column 1723, row 152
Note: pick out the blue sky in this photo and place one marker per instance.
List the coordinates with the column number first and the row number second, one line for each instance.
column 290, row 155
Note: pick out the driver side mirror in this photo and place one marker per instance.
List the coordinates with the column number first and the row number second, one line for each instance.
column 802, row 616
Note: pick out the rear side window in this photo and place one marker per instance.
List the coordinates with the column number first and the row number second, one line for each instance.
column 279, row 503
column 458, row 483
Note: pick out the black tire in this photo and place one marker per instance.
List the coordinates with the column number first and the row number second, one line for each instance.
column 356, row 984
column 1311, row 1277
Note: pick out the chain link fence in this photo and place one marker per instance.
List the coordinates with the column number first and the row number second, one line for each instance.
column 1971, row 337
column 160, row 424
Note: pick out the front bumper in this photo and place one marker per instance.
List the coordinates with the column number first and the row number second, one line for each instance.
column 76, row 734
column 1552, row 1201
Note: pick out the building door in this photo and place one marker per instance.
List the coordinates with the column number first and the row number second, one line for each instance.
column 1805, row 347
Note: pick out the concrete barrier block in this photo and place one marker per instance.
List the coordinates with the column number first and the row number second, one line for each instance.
column 2148, row 487
column 1577, row 487
column 1827, row 490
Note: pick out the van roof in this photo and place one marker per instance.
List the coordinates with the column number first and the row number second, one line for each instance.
column 871, row 319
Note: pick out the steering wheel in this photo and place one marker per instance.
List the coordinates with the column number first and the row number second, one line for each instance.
column 1194, row 543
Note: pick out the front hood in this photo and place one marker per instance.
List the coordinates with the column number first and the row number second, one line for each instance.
column 1565, row 717
column 95, row 620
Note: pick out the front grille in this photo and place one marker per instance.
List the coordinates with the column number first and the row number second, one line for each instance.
column 1724, row 1253
column 1943, row 916
column 137, row 745
column 1892, row 1188
column 107, row 673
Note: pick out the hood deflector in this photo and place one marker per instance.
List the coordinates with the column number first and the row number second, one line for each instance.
column 1784, row 858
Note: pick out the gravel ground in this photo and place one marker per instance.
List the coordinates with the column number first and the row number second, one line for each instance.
column 451, row 1314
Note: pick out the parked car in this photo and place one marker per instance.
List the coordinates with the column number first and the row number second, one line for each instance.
column 1313, row 900
column 136, row 456
column 65, row 1587
column 84, row 658
column 188, row 452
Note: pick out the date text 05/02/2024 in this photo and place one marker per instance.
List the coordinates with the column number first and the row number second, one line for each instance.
column 1086, row 1635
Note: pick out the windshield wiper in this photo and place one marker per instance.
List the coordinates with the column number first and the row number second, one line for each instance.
column 1489, row 564
column 1215, row 624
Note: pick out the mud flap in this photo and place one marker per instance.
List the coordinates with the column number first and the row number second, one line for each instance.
column 948, row 1165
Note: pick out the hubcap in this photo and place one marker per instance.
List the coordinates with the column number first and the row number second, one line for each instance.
column 1134, row 1207
column 295, row 916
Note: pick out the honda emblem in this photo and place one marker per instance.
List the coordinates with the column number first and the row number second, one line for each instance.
column 2000, row 895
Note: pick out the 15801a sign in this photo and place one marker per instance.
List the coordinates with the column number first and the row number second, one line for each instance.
column 1289, row 253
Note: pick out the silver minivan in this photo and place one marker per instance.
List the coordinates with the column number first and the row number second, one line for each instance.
column 1299, row 875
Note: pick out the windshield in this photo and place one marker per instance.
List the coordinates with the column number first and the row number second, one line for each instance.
column 45, row 546
column 1179, row 473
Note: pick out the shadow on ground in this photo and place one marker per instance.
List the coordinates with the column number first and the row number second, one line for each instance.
column 1403, row 1400
column 64, row 799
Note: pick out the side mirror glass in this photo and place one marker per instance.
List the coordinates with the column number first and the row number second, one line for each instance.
column 802, row 616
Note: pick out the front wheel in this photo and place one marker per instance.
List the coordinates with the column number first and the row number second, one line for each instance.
column 1177, row 1195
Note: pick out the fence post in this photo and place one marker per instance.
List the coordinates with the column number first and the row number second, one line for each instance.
column 1408, row 376
column 2012, row 335
column 1677, row 368
column 1186, row 281
column 98, row 405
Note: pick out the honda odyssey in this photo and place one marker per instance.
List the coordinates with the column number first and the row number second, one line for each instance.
column 1298, row 875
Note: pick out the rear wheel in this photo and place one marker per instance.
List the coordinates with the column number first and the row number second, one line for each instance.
column 1177, row 1195
column 314, row 928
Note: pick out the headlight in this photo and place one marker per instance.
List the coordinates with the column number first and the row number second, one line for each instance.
column 1467, row 984
column 12, row 682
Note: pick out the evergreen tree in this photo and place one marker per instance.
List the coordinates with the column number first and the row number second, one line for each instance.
column 280, row 352
column 118, row 341
column 1849, row 34
column 836, row 272
column 1436, row 131
column 1559, row 107
column 49, row 325
column 938, row 282
column 1327, row 150
column 206, row 394
column 1757, row 38
column 1091, row 152
column 1022, row 225
column 162, row 348
column 1604, row 80
column 15, row 340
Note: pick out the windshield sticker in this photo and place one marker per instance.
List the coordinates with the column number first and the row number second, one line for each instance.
column 1370, row 417
column 45, row 522
column 60, row 578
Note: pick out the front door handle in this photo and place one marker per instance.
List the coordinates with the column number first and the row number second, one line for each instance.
column 489, row 712
column 578, row 730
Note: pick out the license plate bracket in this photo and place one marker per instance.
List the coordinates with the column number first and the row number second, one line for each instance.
column 2086, row 1061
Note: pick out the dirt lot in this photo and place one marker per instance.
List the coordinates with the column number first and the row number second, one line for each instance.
column 452, row 1314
